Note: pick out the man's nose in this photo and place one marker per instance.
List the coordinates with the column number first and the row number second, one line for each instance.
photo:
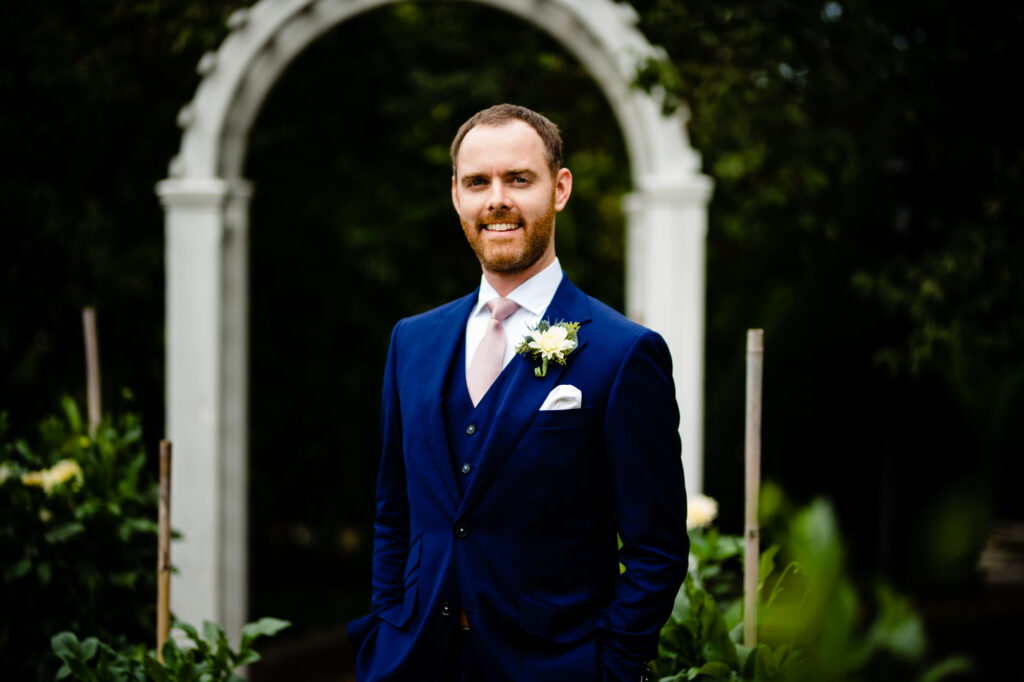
column 498, row 197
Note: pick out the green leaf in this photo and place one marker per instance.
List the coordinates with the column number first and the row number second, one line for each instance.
column 766, row 565
column 943, row 669
column 66, row 646
column 154, row 670
column 63, row 532
column 189, row 631
column 69, row 649
column 73, row 415
column 89, row 648
column 263, row 627
column 18, row 570
column 211, row 632
column 715, row 669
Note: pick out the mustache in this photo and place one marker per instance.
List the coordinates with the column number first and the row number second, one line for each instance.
column 502, row 216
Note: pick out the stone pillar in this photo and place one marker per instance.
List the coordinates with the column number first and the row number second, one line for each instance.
column 206, row 295
column 666, row 288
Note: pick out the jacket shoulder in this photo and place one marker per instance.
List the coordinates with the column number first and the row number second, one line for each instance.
column 611, row 324
column 430, row 317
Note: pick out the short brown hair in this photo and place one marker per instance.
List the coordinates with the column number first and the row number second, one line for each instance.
column 500, row 114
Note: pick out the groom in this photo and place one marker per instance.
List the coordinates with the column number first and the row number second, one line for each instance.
column 502, row 493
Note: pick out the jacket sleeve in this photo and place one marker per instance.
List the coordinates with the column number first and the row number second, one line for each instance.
column 641, row 432
column 391, row 528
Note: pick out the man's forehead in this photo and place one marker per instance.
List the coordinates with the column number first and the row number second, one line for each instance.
column 514, row 142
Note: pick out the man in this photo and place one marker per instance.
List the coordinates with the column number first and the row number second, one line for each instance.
column 501, row 491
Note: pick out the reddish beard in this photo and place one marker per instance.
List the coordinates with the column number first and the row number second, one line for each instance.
column 512, row 258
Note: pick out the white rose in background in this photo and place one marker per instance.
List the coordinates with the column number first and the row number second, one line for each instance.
column 701, row 511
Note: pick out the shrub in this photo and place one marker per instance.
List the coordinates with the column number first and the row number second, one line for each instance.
column 813, row 625
column 209, row 658
column 77, row 538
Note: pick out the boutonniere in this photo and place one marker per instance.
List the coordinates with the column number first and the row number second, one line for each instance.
column 547, row 342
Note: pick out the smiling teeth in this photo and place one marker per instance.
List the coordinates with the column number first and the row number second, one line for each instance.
column 501, row 227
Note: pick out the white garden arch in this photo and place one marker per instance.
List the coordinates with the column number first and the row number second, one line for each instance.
column 206, row 204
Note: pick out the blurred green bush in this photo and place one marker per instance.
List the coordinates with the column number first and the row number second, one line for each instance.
column 813, row 623
column 208, row 658
column 78, row 538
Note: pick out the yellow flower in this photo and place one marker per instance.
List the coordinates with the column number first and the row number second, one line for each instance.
column 45, row 515
column 701, row 510
column 61, row 472
column 83, row 442
column 552, row 342
column 33, row 478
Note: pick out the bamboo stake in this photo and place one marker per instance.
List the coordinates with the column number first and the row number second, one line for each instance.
column 163, row 560
column 92, row 368
column 752, row 530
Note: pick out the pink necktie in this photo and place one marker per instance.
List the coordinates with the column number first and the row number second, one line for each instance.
column 490, row 354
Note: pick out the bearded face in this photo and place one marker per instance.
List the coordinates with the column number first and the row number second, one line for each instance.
column 506, row 198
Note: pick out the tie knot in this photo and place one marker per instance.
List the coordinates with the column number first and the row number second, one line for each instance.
column 501, row 308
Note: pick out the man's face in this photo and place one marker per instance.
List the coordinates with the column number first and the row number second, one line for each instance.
column 506, row 197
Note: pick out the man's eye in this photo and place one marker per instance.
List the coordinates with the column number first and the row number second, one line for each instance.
column 476, row 182
column 519, row 179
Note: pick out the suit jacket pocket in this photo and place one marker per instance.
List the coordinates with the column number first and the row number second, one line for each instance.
column 561, row 419
column 399, row 614
column 565, row 624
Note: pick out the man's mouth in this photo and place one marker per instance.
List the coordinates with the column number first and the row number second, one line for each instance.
column 500, row 227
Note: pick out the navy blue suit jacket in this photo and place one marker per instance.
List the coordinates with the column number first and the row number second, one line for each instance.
column 530, row 551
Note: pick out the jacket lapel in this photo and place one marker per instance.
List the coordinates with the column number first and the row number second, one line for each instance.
column 437, row 350
column 526, row 393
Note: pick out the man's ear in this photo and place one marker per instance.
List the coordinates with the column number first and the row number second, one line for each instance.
column 563, row 188
column 455, row 195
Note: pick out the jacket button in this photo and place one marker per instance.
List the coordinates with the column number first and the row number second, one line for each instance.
column 466, row 468
column 446, row 608
column 461, row 530
column 471, row 429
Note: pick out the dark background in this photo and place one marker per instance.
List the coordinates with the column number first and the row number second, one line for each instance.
column 866, row 214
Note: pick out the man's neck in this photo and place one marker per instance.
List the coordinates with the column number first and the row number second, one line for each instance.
column 506, row 282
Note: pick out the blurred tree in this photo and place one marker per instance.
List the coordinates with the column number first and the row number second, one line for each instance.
column 865, row 214
column 90, row 95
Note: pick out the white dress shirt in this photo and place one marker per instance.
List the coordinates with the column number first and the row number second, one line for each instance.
column 533, row 296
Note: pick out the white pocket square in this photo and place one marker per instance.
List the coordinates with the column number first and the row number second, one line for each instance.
column 563, row 397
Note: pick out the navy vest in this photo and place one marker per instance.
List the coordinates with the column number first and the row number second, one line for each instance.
column 467, row 426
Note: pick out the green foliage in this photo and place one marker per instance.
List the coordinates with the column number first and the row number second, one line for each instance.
column 821, row 121
column 210, row 658
column 77, row 537
column 866, row 214
column 813, row 626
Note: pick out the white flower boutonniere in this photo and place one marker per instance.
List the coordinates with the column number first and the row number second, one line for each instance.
column 547, row 342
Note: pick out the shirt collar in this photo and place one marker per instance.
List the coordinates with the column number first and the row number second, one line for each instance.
column 534, row 294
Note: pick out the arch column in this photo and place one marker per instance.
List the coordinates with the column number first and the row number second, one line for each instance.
column 665, row 273
column 206, row 241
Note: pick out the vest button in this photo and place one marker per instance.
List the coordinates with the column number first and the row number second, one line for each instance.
column 461, row 530
column 471, row 429
column 446, row 608
column 466, row 468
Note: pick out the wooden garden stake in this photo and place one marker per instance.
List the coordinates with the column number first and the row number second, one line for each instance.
column 92, row 368
column 752, row 531
column 163, row 559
